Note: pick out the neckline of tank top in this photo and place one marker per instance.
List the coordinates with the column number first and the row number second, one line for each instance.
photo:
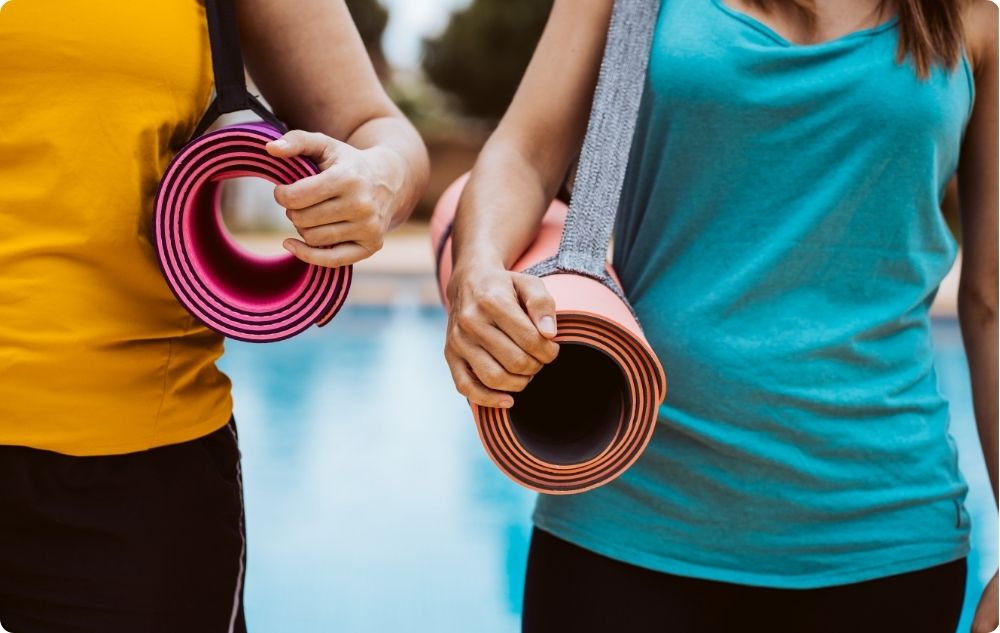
column 753, row 22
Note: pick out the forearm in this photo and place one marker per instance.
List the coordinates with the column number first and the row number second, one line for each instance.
column 978, row 318
column 501, row 207
column 402, row 157
column 499, row 323
column 525, row 161
column 979, row 200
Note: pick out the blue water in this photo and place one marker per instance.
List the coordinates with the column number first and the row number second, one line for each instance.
column 371, row 505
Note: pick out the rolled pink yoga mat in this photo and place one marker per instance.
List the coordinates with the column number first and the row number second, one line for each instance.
column 237, row 293
column 587, row 416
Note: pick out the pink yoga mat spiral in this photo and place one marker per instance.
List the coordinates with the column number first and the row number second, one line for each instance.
column 237, row 293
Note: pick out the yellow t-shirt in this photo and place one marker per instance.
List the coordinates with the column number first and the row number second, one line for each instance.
column 96, row 355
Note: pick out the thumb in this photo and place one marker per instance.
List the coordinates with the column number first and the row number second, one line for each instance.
column 313, row 145
column 538, row 303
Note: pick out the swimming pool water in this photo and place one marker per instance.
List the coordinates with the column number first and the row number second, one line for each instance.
column 371, row 505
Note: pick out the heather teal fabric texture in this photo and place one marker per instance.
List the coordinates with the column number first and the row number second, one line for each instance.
column 781, row 240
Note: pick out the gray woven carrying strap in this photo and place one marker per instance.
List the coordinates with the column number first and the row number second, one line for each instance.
column 607, row 145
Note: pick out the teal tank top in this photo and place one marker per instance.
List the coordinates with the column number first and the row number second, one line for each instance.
column 781, row 240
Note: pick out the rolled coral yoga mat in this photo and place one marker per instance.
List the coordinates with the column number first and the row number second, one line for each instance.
column 587, row 416
column 239, row 294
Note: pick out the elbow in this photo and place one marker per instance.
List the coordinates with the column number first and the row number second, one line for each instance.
column 977, row 307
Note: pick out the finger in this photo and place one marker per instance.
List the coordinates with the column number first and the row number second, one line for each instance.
column 469, row 386
column 368, row 234
column 300, row 143
column 500, row 346
column 506, row 311
column 486, row 368
column 538, row 302
column 325, row 212
column 335, row 257
column 515, row 324
column 332, row 183
column 330, row 234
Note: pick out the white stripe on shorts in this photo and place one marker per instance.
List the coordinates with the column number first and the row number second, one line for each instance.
column 243, row 543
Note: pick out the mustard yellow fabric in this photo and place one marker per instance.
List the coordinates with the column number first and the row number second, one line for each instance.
column 96, row 355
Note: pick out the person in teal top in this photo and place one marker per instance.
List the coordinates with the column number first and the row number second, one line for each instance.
column 781, row 240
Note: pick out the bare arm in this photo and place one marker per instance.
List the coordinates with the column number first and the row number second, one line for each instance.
column 526, row 159
column 312, row 67
column 501, row 323
column 977, row 302
column 977, row 295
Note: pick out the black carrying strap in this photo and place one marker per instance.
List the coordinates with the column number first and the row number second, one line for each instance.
column 231, row 94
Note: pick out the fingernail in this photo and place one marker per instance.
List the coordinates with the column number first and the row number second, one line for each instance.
column 506, row 403
column 547, row 325
column 280, row 143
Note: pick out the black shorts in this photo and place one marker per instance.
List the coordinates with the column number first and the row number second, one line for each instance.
column 149, row 542
column 572, row 589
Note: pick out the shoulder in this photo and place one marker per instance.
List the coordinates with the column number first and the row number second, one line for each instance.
column 980, row 21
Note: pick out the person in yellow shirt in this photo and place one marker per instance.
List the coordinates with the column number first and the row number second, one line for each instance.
column 120, row 492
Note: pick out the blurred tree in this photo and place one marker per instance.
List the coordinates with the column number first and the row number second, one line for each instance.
column 484, row 51
column 371, row 17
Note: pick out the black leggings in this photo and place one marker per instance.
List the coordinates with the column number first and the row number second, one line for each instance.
column 570, row 589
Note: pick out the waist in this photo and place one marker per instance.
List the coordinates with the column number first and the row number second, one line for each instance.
column 757, row 507
column 108, row 386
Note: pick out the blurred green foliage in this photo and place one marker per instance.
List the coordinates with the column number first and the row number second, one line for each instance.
column 482, row 54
